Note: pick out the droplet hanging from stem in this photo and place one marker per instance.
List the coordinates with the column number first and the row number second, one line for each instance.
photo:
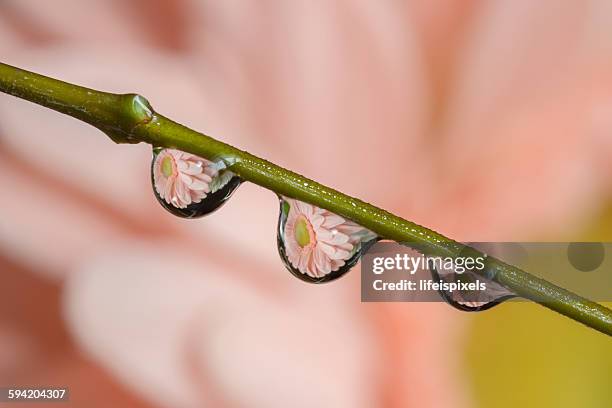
column 317, row 245
column 472, row 300
column 189, row 186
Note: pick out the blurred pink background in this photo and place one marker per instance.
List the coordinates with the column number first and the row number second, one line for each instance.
column 482, row 120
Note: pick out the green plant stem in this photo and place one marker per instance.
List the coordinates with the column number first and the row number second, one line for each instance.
column 130, row 119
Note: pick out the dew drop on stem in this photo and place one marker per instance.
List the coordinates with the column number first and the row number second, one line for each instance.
column 189, row 186
column 471, row 298
column 317, row 245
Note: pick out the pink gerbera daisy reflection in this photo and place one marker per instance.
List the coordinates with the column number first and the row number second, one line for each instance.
column 318, row 242
column 182, row 179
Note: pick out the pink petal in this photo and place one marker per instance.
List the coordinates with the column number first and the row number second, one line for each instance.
column 303, row 208
column 332, row 220
column 332, row 251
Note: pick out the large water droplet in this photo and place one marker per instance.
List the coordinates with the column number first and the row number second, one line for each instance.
column 317, row 245
column 189, row 186
column 472, row 299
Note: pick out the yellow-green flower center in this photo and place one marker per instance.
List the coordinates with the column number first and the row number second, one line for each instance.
column 301, row 233
column 166, row 166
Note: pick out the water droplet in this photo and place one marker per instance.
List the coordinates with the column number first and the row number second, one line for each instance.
column 317, row 245
column 472, row 300
column 480, row 291
column 189, row 186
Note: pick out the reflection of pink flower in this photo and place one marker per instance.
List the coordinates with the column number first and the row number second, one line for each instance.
column 317, row 241
column 181, row 178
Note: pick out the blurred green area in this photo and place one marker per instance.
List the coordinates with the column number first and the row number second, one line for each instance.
column 522, row 355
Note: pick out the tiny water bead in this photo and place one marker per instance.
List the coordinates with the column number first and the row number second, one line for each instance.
column 189, row 186
column 478, row 291
column 317, row 245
